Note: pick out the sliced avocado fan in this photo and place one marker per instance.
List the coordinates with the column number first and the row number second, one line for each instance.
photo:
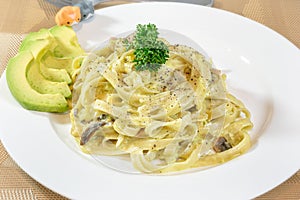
column 40, row 75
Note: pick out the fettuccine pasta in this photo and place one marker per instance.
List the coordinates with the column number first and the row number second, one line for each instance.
column 180, row 117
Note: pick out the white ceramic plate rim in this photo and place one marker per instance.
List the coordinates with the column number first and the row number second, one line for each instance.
column 232, row 41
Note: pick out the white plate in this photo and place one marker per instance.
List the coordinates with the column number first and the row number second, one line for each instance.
column 262, row 69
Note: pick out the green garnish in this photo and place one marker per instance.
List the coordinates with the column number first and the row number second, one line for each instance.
column 150, row 53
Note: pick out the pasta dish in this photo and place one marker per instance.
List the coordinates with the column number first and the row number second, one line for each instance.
column 179, row 117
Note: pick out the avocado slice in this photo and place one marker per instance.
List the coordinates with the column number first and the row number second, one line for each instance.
column 56, row 75
column 57, row 63
column 34, row 74
column 37, row 47
column 42, row 85
column 67, row 42
column 24, row 93
column 42, row 34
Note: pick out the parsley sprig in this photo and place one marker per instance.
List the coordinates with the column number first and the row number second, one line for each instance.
column 150, row 53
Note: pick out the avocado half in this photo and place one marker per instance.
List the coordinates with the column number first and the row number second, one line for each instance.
column 39, row 76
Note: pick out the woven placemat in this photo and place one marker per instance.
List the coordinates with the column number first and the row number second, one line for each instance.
column 282, row 16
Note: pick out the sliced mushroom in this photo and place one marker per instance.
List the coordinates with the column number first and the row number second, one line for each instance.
column 90, row 131
column 221, row 145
